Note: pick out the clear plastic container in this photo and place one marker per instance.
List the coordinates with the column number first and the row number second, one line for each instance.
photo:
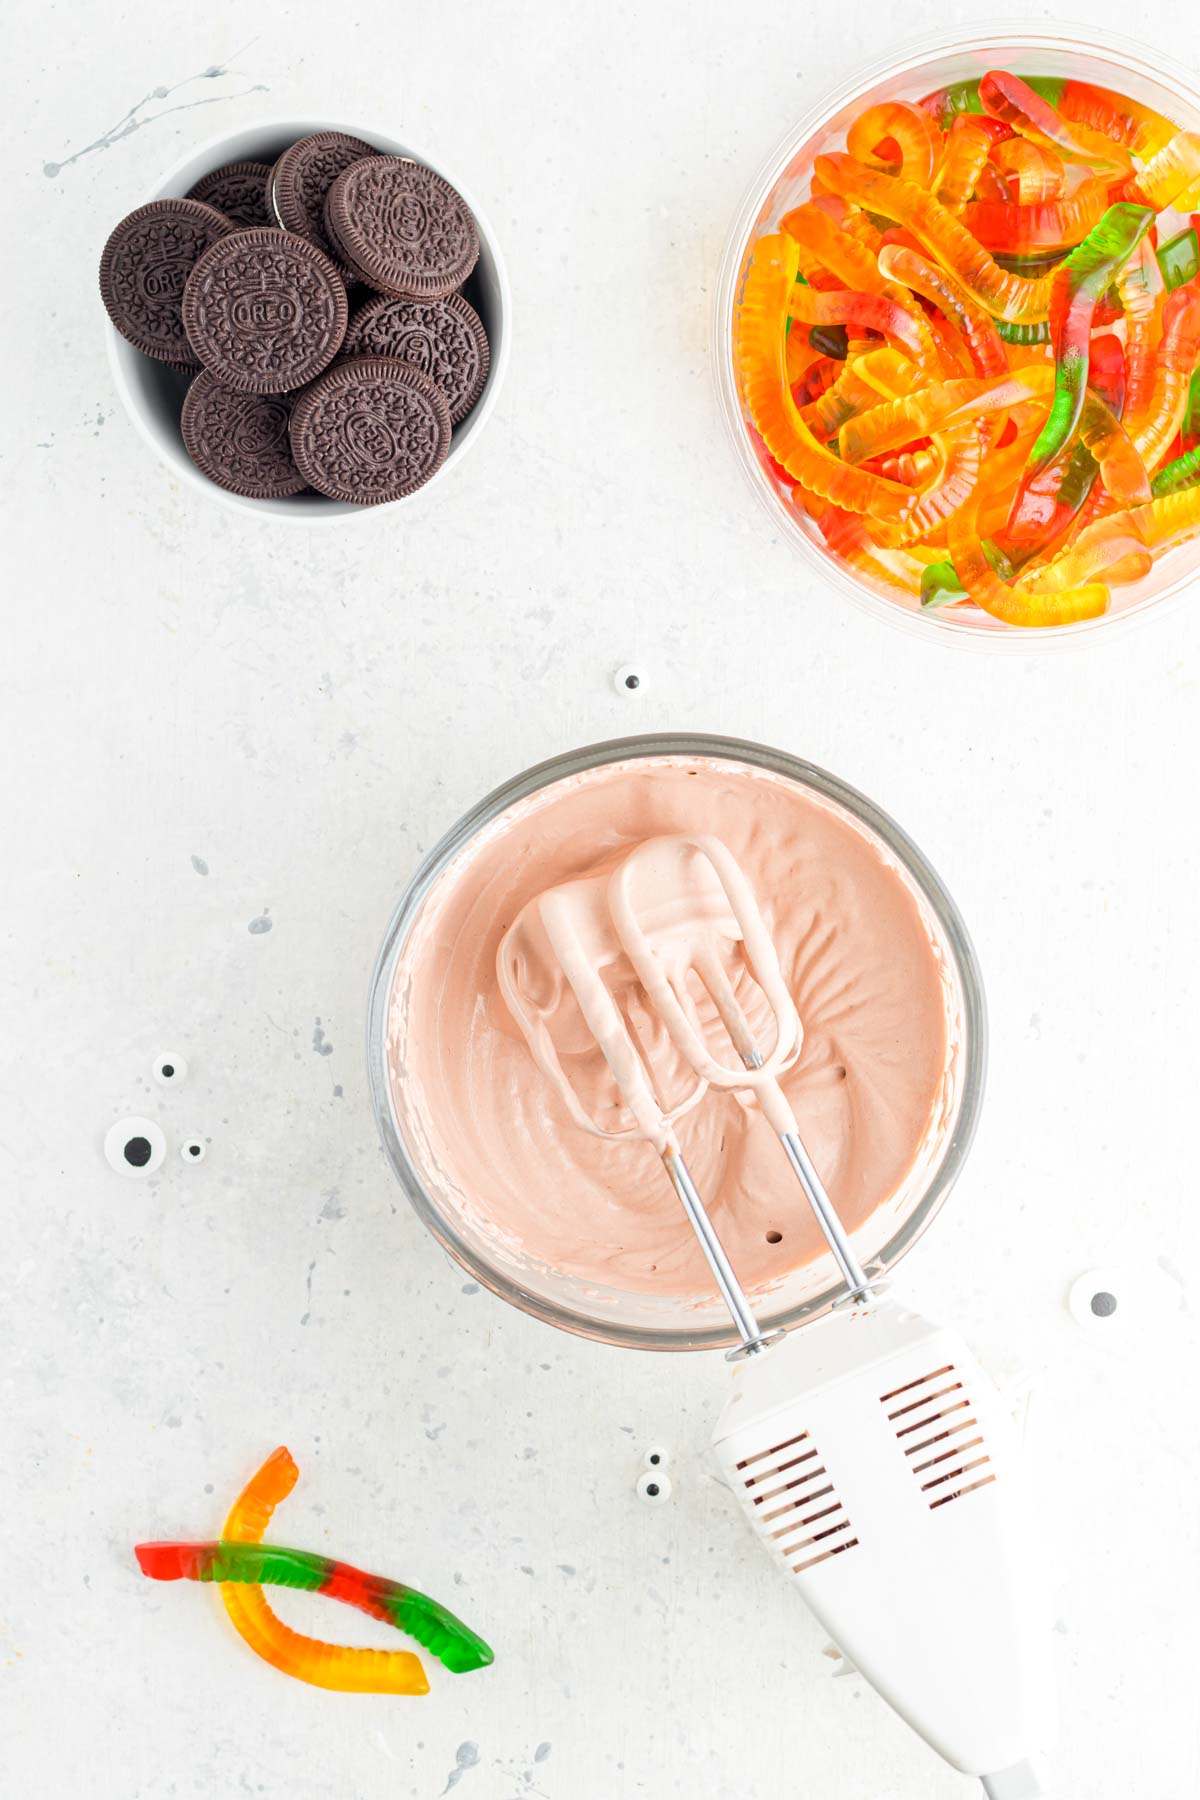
column 666, row 1322
column 783, row 182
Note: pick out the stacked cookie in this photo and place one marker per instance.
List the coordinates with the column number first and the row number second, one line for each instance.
column 244, row 286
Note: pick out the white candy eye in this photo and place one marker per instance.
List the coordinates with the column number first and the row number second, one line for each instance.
column 192, row 1150
column 657, row 1457
column 654, row 1487
column 629, row 680
column 135, row 1147
column 170, row 1070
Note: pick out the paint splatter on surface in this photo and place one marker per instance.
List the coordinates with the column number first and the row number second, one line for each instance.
column 200, row 866
column 137, row 117
column 465, row 1757
column 320, row 1042
column 541, row 1753
column 256, row 927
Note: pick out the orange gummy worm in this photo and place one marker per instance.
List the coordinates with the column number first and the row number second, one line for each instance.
column 1010, row 296
column 1023, row 605
column 337, row 1666
column 973, row 323
column 911, row 130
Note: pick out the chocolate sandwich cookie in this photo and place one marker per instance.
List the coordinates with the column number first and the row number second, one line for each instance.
column 401, row 228
column 239, row 190
column 265, row 311
column 443, row 338
column 241, row 441
column 303, row 176
column 371, row 429
column 144, row 270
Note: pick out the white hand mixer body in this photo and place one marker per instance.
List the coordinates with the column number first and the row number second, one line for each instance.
column 847, row 1443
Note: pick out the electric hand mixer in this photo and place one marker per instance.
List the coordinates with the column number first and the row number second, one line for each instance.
column 871, row 1453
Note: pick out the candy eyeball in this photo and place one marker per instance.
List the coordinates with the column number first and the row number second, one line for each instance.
column 135, row 1147
column 170, row 1070
column 192, row 1150
column 654, row 1487
column 630, row 679
column 657, row 1456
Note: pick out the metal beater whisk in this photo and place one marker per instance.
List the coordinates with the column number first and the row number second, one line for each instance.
column 667, row 910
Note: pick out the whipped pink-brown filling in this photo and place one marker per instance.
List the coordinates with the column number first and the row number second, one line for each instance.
column 495, row 1140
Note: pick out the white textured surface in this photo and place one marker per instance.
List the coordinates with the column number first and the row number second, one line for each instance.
column 185, row 691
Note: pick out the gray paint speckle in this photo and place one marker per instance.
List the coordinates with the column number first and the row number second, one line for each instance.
column 465, row 1757
column 333, row 1208
column 200, row 866
column 541, row 1753
column 470, row 1287
column 320, row 1043
column 257, row 926
column 137, row 117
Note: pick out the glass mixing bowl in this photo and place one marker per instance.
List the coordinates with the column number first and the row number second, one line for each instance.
column 654, row 1322
column 1083, row 54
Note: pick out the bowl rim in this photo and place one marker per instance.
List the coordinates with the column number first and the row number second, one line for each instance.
column 121, row 354
column 831, row 787
column 911, row 54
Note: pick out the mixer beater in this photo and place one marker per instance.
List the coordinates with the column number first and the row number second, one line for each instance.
column 847, row 1442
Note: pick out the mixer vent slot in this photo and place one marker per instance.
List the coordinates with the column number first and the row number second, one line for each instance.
column 801, row 1518
column 937, row 1429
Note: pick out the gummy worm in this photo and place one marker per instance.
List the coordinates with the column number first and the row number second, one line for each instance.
column 760, row 341
column 1179, row 258
column 1189, row 431
column 1037, row 170
column 1167, row 177
column 1177, row 358
column 1167, row 521
column 908, row 329
column 945, row 104
column 824, row 244
column 969, row 143
column 321, row 1665
column 911, row 131
column 1046, row 504
column 1075, row 289
column 1014, row 101
column 454, row 1644
column 1143, row 296
column 1015, row 605
column 974, row 324
column 1116, row 116
column 1051, row 226
column 1007, row 295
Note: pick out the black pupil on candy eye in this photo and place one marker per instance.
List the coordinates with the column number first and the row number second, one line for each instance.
column 168, row 1070
column 137, row 1152
column 652, row 1489
column 654, row 1461
column 1104, row 1305
column 774, row 1237
column 632, row 681
column 193, row 1149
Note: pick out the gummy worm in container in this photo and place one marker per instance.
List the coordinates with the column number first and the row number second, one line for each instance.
column 1020, row 248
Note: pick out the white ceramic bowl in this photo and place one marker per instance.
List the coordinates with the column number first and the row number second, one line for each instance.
column 153, row 394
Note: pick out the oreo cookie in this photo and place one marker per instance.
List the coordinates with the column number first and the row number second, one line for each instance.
column 144, row 270
column 401, row 228
column 445, row 339
column 371, row 429
column 303, row 176
column 265, row 311
column 239, row 190
column 241, row 441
